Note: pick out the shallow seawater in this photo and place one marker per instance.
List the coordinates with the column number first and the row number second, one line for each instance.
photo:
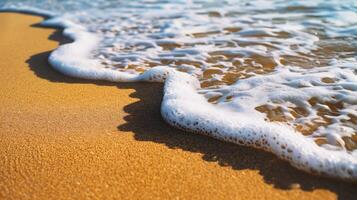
column 285, row 62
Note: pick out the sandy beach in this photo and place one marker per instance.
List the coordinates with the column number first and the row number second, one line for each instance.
column 66, row 138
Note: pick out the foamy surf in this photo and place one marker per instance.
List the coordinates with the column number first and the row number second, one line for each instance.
column 267, row 105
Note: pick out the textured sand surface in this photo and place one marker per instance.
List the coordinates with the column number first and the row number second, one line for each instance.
column 64, row 138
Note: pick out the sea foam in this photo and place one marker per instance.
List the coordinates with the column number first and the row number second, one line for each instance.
column 238, row 111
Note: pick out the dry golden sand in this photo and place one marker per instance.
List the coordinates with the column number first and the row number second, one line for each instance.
column 64, row 138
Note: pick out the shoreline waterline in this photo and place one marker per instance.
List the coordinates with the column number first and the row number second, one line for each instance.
column 72, row 59
column 66, row 144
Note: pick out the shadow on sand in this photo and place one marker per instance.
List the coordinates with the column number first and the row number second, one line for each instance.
column 145, row 121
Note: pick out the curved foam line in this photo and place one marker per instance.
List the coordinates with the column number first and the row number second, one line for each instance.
column 178, row 109
column 29, row 10
column 184, row 108
column 72, row 59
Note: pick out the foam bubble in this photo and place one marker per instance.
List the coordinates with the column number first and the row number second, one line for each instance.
column 182, row 107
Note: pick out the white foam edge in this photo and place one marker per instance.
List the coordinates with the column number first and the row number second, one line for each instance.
column 73, row 59
column 28, row 10
column 184, row 108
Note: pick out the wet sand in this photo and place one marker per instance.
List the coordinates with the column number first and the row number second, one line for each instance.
column 66, row 138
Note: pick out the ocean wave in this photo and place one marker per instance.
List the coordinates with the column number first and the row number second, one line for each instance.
column 278, row 76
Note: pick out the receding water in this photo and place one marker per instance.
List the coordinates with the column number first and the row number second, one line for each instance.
column 286, row 62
